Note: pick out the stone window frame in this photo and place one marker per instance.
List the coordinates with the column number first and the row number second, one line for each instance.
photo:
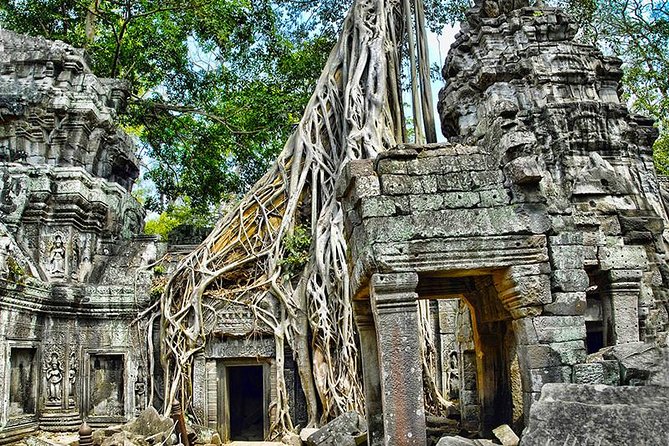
column 11, row 344
column 128, row 392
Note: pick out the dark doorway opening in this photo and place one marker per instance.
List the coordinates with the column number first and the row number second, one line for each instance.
column 246, row 399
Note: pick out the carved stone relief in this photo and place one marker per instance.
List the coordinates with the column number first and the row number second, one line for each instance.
column 53, row 373
column 57, row 255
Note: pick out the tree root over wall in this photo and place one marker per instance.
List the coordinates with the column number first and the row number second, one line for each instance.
column 355, row 112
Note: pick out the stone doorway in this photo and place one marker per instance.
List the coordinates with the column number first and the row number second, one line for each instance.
column 490, row 389
column 479, row 350
column 244, row 403
column 106, row 386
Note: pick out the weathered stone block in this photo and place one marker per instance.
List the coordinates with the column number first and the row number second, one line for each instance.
column 598, row 414
column 639, row 361
column 494, row 197
column 353, row 169
column 567, row 304
column 538, row 356
column 382, row 206
column 623, row 257
column 473, row 162
column 456, row 181
column 568, row 280
column 567, row 256
column 460, row 199
column 534, row 379
column 567, row 238
column 524, row 170
column 401, row 185
column 342, row 431
column 602, row 372
column 423, row 166
column 506, row 435
column 391, row 166
column 486, row 179
column 525, row 331
column 652, row 224
column 462, row 441
column 552, row 329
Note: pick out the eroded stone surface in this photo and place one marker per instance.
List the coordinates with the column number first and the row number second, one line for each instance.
column 542, row 213
column 73, row 269
column 343, row 430
column 606, row 415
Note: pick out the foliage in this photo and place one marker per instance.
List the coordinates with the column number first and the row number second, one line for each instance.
column 175, row 216
column 217, row 86
column 15, row 272
column 296, row 247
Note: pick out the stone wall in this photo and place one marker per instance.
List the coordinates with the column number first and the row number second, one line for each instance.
column 73, row 271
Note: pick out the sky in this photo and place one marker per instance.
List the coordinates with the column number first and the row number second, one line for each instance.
column 438, row 45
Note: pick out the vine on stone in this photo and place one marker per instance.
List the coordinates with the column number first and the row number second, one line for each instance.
column 305, row 303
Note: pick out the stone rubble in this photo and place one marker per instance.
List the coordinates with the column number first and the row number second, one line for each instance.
column 348, row 429
column 599, row 414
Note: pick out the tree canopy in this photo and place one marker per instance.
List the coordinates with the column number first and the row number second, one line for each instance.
column 218, row 85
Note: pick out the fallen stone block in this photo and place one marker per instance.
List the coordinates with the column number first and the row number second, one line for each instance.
column 291, row 439
column 346, row 430
column 506, row 435
column 639, row 361
column 149, row 423
column 307, row 432
column 602, row 372
column 598, row 414
column 462, row 441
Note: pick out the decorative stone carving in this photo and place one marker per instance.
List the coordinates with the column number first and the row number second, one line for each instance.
column 68, row 224
column 72, row 374
column 545, row 190
column 54, row 379
column 57, row 255
column 140, row 391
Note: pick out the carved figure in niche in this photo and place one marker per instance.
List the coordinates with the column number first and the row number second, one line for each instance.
column 76, row 256
column 72, row 377
column 140, row 391
column 5, row 253
column 10, row 194
column 54, row 378
column 57, row 257
column 453, row 375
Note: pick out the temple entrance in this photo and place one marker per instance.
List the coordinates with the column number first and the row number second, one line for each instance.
column 479, row 362
column 245, row 402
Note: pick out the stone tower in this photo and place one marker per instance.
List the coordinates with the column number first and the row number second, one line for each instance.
column 542, row 216
column 73, row 272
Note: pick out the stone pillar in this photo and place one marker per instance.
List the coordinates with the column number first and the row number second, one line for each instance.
column 624, row 290
column 394, row 305
column 370, row 371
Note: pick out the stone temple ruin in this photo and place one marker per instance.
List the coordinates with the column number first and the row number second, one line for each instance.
column 541, row 218
column 537, row 234
column 73, row 267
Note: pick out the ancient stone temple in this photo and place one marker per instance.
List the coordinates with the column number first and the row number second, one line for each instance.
column 539, row 226
column 73, row 272
column 533, row 242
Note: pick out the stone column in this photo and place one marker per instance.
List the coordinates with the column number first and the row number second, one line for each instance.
column 394, row 305
column 370, row 371
column 624, row 290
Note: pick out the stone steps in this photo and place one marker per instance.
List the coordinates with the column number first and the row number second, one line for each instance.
column 60, row 422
